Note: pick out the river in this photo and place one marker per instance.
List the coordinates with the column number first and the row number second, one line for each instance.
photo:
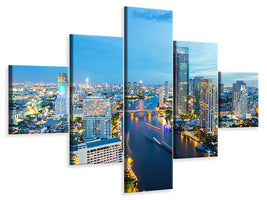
column 152, row 164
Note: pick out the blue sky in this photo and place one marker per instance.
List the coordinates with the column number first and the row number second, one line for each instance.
column 250, row 78
column 36, row 74
column 149, row 45
column 202, row 59
column 99, row 58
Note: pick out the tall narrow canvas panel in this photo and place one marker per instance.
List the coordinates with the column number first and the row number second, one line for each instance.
column 96, row 66
column 38, row 99
column 195, row 99
column 238, row 99
column 148, row 99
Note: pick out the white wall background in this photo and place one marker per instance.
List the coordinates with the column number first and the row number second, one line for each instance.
column 36, row 33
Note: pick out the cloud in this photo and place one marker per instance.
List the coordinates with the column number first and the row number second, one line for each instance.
column 153, row 15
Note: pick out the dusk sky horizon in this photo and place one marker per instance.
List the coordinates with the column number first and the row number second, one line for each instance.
column 35, row 74
column 250, row 78
column 149, row 45
column 99, row 58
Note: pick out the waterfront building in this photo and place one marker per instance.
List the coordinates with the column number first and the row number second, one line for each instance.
column 181, row 79
column 97, row 151
column 196, row 94
column 166, row 90
column 207, row 105
column 161, row 97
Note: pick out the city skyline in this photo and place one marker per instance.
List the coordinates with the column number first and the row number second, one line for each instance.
column 202, row 59
column 96, row 131
column 96, row 58
column 38, row 108
column 148, row 113
column 251, row 78
column 25, row 73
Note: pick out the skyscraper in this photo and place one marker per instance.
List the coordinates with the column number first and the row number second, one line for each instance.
column 62, row 104
column 62, row 101
column 241, row 103
column 160, row 97
column 236, row 89
column 141, row 90
column 196, row 94
column 166, row 90
column 207, row 105
column 62, row 83
column 221, row 88
column 181, row 79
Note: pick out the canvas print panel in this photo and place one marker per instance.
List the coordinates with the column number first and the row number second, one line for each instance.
column 96, row 64
column 238, row 99
column 38, row 99
column 148, row 99
column 195, row 99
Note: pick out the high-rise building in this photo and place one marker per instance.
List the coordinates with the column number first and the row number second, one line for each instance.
column 236, row 89
column 62, row 104
column 62, row 83
column 207, row 105
column 97, row 127
column 181, row 79
column 241, row 104
column 141, row 90
column 135, row 89
column 196, row 94
column 160, row 97
column 62, row 101
column 166, row 90
column 98, row 151
column 95, row 106
column 221, row 88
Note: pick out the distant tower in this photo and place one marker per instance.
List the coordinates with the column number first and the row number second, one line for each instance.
column 160, row 97
column 166, row 90
column 87, row 82
column 141, row 90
